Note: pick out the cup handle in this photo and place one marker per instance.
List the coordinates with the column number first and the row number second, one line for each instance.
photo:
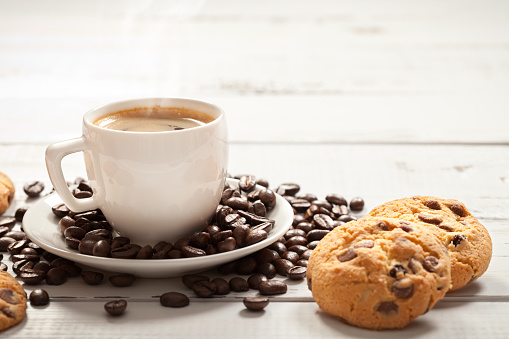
column 54, row 155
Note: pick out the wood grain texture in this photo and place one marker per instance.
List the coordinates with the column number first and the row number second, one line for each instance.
column 357, row 98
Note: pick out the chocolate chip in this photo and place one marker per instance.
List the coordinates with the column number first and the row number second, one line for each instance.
column 8, row 295
column 383, row 225
column 430, row 263
column 348, row 255
column 457, row 209
column 387, row 308
column 364, row 244
column 397, row 271
column 403, row 289
column 430, row 219
column 433, row 204
column 405, row 226
column 457, row 239
column 447, row 228
column 8, row 312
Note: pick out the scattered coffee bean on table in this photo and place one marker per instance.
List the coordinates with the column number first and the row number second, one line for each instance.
column 39, row 297
column 116, row 307
column 256, row 304
column 174, row 299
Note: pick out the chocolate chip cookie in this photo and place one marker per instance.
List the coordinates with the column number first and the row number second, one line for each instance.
column 466, row 239
column 378, row 273
column 6, row 192
column 13, row 302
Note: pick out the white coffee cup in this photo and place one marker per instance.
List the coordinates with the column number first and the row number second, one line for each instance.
column 151, row 186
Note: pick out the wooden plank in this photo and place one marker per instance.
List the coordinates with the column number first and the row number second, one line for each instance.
column 288, row 119
column 231, row 320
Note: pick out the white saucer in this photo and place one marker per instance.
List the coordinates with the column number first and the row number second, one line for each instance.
column 41, row 226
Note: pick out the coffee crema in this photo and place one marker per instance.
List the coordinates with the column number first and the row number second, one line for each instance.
column 153, row 119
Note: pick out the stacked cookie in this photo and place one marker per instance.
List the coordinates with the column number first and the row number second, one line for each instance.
column 387, row 268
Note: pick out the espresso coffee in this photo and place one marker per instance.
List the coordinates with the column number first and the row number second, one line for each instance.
column 153, row 119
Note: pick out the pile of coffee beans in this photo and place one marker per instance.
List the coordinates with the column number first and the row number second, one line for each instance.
column 241, row 219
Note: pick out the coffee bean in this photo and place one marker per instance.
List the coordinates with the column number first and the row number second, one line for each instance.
column 20, row 213
column 296, row 272
column 17, row 235
column 3, row 267
column 118, row 242
column 8, row 222
column 91, row 277
column 190, row 279
column 294, row 232
column 33, row 189
column 200, row 240
column 356, row 204
column 291, row 256
column 279, row 247
column 191, row 252
column 146, row 252
column 336, row 200
column 39, row 297
column 17, row 246
column 296, row 240
column 246, row 266
column 238, row 203
column 346, row 218
column 302, row 262
column 323, row 221
column 174, row 299
column 272, row 287
column 30, row 257
column 56, row 276
column 300, row 205
column 60, row 210
column 122, row 280
column 116, row 307
column 267, row 197
column 101, row 249
column 254, row 236
column 32, row 277
column 265, row 255
column 267, row 269
column 258, row 208
column 5, row 242
column 204, row 288
column 247, row 183
column 282, row 266
column 238, row 284
column 129, row 251
column 42, row 266
column 222, row 286
column 256, row 304
column 290, row 189
column 255, row 280
column 228, row 244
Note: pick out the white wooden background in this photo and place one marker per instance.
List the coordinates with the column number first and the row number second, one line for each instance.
column 379, row 99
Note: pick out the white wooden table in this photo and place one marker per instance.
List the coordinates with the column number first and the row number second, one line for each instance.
column 362, row 98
